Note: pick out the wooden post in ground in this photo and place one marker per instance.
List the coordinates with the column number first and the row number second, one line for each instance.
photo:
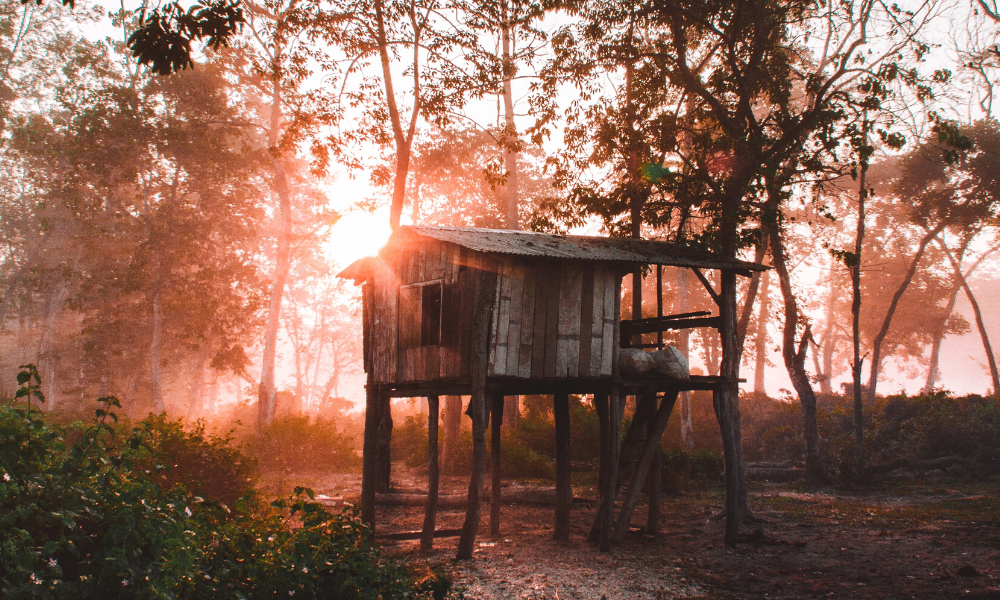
column 654, row 484
column 601, row 407
column 479, row 365
column 645, row 411
column 452, row 425
column 433, row 478
column 727, row 408
column 383, row 446
column 497, row 409
column 564, row 490
column 651, row 446
column 373, row 416
column 615, row 409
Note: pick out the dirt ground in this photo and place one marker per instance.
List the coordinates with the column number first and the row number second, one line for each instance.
column 929, row 539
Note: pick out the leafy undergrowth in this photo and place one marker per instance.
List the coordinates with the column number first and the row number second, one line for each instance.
column 100, row 512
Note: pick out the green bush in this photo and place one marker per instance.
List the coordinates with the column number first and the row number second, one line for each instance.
column 682, row 470
column 292, row 444
column 84, row 520
column 207, row 466
column 409, row 441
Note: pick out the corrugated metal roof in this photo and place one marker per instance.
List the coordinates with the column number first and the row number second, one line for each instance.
column 580, row 247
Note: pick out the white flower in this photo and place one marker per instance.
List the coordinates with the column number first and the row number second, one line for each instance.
column 53, row 562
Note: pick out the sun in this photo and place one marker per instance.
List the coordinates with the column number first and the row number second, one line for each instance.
column 357, row 234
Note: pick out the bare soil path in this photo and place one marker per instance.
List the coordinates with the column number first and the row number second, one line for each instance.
column 929, row 540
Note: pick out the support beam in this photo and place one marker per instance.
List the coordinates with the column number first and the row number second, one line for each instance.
column 383, row 445
column 651, row 446
column 655, row 485
column 616, row 408
column 564, row 490
column 486, row 282
column 433, row 475
column 601, row 407
column 452, row 425
column 497, row 405
column 373, row 416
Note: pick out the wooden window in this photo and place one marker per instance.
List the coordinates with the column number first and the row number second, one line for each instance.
column 430, row 314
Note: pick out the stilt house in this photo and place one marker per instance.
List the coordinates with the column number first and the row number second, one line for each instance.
column 492, row 313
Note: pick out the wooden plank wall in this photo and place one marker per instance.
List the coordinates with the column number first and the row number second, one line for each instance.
column 553, row 318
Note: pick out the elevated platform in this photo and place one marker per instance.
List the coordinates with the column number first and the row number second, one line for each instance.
column 511, row 386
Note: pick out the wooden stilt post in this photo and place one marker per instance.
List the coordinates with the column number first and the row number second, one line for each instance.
column 433, row 478
column 479, row 365
column 651, row 446
column 564, row 490
column 615, row 409
column 497, row 422
column 654, row 484
column 645, row 411
column 373, row 416
column 601, row 407
column 383, row 446
column 452, row 424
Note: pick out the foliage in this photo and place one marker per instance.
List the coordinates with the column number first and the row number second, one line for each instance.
column 207, row 466
column 293, row 443
column 683, row 470
column 85, row 520
column 897, row 427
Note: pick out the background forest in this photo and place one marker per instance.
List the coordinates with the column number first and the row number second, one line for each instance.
column 174, row 240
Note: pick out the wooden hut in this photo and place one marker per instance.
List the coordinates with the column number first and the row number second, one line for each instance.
column 492, row 313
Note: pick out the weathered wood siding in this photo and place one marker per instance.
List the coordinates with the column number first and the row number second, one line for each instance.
column 552, row 318
column 555, row 319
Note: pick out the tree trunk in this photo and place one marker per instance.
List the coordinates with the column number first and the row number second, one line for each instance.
column 858, row 360
column 760, row 345
column 564, row 491
column 980, row 325
column 46, row 353
column 480, row 355
column 728, row 411
column 794, row 356
column 935, row 357
column 266, row 399
column 825, row 350
column 404, row 140
column 876, row 364
column 196, row 408
column 510, row 137
column 154, row 353
column 684, row 345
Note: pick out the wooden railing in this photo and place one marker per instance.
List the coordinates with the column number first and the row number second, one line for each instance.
column 633, row 327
